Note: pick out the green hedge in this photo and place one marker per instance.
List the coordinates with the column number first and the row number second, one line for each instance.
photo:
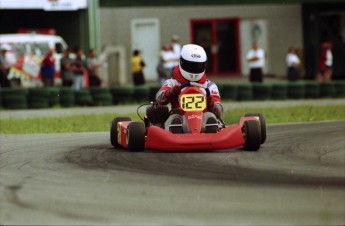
column 20, row 98
column 245, row 91
column 67, row 97
column 83, row 97
column 101, row 96
column 38, row 98
column 228, row 91
column 152, row 92
column 312, row 90
column 296, row 90
column 14, row 98
column 262, row 91
column 54, row 96
column 122, row 94
column 327, row 89
column 279, row 91
column 339, row 88
column 141, row 94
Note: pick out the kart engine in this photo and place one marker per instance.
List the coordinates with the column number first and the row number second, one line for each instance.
column 157, row 114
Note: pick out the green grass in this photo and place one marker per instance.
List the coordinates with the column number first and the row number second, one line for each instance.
column 290, row 114
column 101, row 122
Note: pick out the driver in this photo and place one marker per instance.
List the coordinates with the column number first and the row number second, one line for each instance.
column 191, row 70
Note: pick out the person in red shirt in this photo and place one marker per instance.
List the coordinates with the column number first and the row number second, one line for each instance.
column 325, row 62
column 191, row 70
column 48, row 69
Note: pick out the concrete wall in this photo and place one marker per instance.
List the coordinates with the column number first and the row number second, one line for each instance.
column 284, row 26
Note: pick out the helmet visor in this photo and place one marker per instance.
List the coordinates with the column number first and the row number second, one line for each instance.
column 192, row 67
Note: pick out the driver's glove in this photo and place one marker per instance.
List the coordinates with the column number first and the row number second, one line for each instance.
column 214, row 107
column 217, row 110
column 174, row 91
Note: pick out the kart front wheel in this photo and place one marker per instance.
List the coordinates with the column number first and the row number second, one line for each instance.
column 114, row 132
column 136, row 136
column 262, row 121
column 252, row 135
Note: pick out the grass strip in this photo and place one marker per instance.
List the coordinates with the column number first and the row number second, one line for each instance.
column 101, row 122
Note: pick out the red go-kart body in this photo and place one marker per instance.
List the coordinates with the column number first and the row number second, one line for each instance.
column 250, row 132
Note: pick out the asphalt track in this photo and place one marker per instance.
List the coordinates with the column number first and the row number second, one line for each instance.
column 296, row 178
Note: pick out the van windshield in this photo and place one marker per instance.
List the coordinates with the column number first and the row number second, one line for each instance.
column 38, row 49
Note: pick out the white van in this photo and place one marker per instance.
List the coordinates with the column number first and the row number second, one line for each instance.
column 27, row 52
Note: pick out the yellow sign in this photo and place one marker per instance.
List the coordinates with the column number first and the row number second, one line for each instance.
column 193, row 102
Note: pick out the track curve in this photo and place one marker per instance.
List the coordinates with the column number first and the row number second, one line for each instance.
column 297, row 177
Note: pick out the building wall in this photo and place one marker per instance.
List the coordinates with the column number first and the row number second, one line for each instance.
column 284, row 26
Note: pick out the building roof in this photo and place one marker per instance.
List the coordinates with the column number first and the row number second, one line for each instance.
column 119, row 3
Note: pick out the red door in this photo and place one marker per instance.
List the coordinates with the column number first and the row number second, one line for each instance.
column 220, row 39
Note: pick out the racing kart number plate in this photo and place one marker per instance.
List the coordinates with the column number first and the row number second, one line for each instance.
column 193, row 102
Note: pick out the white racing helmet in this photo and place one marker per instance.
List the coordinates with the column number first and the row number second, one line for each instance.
column 193, row 60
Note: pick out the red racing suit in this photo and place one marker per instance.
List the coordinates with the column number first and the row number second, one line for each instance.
column 170, row 90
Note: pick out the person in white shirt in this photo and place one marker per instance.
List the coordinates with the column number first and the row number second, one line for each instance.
column 292, row 63
column 256, row 61
column 167, row 63
column 176, row 48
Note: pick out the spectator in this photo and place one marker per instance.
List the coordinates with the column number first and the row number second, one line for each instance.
column 176, row 48
column 93, row 65
column 168, row 62
column 256, row 60
column 67, row 69
column 293, row 63
column 48, row 69
column 325, row 62
column 79, row 68
column 4, row 66
column 137, row 68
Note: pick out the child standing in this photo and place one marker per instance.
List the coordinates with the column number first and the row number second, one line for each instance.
column 137, row 68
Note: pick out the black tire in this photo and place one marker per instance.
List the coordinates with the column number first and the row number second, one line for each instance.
column 262, row 121
column 252, row 136
column 136, row 136
column 113, row 130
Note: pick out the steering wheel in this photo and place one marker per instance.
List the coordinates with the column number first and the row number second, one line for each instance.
column 184, row 85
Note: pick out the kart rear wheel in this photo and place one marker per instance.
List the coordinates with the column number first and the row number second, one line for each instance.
column 113, row 130
column 136, row 136
column 262, row 125
column 252, row 136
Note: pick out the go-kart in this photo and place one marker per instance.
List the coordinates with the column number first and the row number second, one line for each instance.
column 250, row 132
